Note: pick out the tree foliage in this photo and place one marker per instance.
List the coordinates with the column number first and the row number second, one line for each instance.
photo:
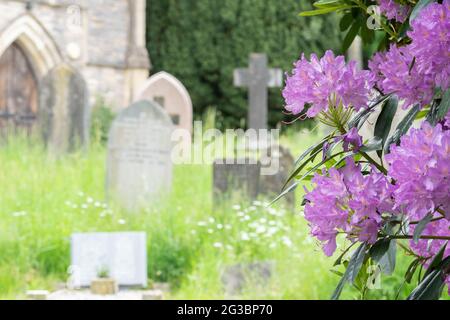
column 202, row 41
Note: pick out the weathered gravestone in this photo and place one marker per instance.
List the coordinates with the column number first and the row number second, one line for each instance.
column 239, row 176
column 272, row 185
column 258, row 77
column 63, row 114
column 122, row 254
column 172, row 95
column 139, row 165
column 235, row 278
column 235, row 180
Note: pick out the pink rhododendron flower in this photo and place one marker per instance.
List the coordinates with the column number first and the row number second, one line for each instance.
column 353, row 138
column 420, row 167
column 325, row 82
column 347, row 201
column 393, row 10
column 396, row 72
column 430, row 45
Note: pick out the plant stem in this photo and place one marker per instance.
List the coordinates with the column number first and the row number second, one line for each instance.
column 421, row 237
column 372, row 161
column 432, row 220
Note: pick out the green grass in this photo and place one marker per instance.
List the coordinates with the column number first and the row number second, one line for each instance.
column 44, row 199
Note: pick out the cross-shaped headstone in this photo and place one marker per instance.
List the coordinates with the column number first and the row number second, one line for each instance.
column 258, row 77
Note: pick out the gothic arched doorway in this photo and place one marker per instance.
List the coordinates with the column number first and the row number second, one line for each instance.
column 18, row 92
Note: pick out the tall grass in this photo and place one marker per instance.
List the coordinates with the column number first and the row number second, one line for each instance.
column 45, row 198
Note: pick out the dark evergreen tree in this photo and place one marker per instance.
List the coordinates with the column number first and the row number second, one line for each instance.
column 202, row 41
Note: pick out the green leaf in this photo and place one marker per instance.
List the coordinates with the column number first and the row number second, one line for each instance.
column 384, row 252
column 431, row 287
column 359, row 119
column 346, row 22
column 419, row 6
column 409, row 274
column 379, row 248
column 313, row 148
column 351, row 35
column 444, row 107
column 384, row 121
column 352, row 271
column 327, row 3
column 367, row 35
column 374, row 144
column 436, row 260
column 403, row 30
column 402, row 128
column 296, row 171
column 388, row 261
column 420, row 227
column 433, row 283
column 285, row 192
column 323, row 11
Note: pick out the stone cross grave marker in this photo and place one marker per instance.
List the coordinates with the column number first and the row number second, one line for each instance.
column 139, row 165
column 258, row 77
column 64, row 109
column 122, row 254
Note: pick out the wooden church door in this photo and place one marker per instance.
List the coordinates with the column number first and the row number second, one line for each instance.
column 18, row 92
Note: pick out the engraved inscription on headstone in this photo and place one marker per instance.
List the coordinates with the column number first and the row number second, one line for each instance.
column 258, row 78
column 122, row 254
column 139, row 166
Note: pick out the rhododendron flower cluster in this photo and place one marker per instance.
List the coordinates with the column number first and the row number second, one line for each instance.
column 431, row 42
column 393, row 10
column 347, row 201
column 395, row 185
column 395, row 71
column 413, row 71
column 420, row 167
column 325, row 82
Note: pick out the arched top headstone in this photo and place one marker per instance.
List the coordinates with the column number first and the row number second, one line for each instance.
column 64, row 109
column 139, row 165
column 172, row 95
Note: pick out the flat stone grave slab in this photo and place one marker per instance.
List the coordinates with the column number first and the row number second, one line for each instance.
column 122, row 254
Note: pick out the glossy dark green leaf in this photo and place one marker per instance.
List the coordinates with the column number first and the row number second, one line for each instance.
column 374, row 144
column 430, row 288
column 437, row 260
column 346, row 22
column 388, row 260
column 384, row 121
column 384, row 252
column 367, row 35
column 420, row 227
column 351, row 35
column 444, row 106
column 358, row 120
column 403, row 30
column 379, row 248
column 412, row 268
column 402, row 128
column 352, row 271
